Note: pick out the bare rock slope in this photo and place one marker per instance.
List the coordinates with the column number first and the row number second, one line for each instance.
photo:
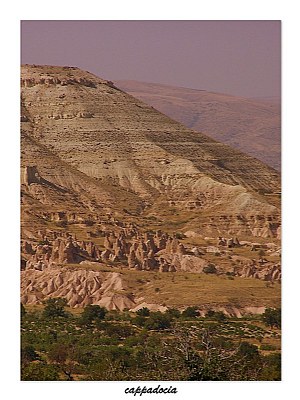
column 80, row 288
column 250, row 125
column 98, row 163
column 89, row 137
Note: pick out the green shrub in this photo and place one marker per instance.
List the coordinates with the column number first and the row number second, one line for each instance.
column 216, row 315
column 248, row 350
column 29, row 354
column 173, row 312
column 190, row 312
column 209, row 269
column 272, row 368
column 144, row 312
column 55, row 307
column 272, row 317
column 58, row 353
column 119, row 330
column 39, row 372
column 158, row 321
column 92, row 313
column 139, row 320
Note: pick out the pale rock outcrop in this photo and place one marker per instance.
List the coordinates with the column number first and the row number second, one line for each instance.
column 80, row 288
column 269, row 272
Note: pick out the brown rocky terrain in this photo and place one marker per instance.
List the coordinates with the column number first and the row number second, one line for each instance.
column 109, row 181
column 46, row 266
column 82, row 287
column 250, row 125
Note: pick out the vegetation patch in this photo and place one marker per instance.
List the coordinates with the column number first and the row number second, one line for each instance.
column 97, row 344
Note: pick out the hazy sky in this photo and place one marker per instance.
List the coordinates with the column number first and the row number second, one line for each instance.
column 234, row 57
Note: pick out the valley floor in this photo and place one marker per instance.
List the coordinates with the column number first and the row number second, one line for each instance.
column 94, row 344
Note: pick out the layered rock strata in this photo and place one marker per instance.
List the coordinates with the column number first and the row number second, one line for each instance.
column 130, row 151
column 250, row 125
column 101, row 163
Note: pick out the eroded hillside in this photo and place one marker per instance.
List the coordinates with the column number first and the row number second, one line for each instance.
column 97, row 163
column 250, row 125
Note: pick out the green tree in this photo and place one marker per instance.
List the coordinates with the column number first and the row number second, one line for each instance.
column 210, row 314
column 272, row 368
column 92, row 313
column 58, row 353
column 216, row 315
column 248, row 350
column 190, row 312
column 139, row 320
column 62, row 355
column 173, row 312
column 29, row 354
column 55, row 307
column 144, row 312
column 158, row 321
column 39, row 372
column 272, row 317
column 207, row 359
column 119, row 331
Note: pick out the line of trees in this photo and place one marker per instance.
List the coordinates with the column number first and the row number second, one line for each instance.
column 102, row 345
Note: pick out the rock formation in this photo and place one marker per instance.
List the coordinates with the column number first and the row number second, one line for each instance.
column 110, row 180
column 215, row 176
column 31, row 175
column 249, row 125
column 80, row 288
